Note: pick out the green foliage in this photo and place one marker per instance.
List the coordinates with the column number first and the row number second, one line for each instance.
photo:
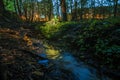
column 50, row 28
column 54, row 28
column 113, row 21
column 9, row 5
column 99, row 38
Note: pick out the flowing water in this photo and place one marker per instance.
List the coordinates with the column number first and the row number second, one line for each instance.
column 66, row 61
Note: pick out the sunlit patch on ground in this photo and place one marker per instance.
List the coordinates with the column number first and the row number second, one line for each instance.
column 52, row 53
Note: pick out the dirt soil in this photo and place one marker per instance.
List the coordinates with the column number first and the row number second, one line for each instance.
column 17, row 60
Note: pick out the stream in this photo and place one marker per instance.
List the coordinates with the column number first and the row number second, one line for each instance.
column 65, row 62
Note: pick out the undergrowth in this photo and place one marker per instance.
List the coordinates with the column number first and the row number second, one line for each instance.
column 98, row 38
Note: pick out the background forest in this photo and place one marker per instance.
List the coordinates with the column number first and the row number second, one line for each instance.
column 71, row 10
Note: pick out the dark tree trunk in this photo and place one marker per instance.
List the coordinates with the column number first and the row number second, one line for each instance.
column 2, row 8
column 93, row 8
column 50, row 10
column 18, row 4
column 64, row 13
column 74, row 17
column 15, row 6
column 71, row 8
column 81, row 11
column 57, row 3
column 115, row 7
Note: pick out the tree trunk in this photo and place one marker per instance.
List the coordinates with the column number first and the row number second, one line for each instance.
column 2, row 8
column 115, row 7
column 49, row 10
column 81, row 11
column 64, row 13
column 75, row 12
column 93, row 8
column 57, row 3
column 71, row 8
column 18, row 4
column 15, row 6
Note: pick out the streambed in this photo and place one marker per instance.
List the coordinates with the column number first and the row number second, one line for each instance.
column 65, row 63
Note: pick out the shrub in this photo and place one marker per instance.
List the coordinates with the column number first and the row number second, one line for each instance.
column 54, row 28
column 99, row 38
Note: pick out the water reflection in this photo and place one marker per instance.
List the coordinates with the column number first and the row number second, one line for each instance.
column 79, row 69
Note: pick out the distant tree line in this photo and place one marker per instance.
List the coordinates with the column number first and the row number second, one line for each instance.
column 45, row 10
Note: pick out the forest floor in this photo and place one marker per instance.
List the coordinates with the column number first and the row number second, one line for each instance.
column 18, row 56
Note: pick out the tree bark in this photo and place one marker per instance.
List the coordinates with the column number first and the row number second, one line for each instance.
column 18, row 3
column 49, row 9
column 64, row 13
column 71, row 8
column 75, row 12
column 2, row 8
column 115, row 7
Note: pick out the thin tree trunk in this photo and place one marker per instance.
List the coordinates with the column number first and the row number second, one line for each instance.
column 71, row 2
column 50, row 10
column 115, row 7
column 57, row 8
column 18, row 8
column 15, row 6
column 81, row 11
column 32, row 12
column 25, row 12
column 2, row 8
column 75, row 13
column 93, row 8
